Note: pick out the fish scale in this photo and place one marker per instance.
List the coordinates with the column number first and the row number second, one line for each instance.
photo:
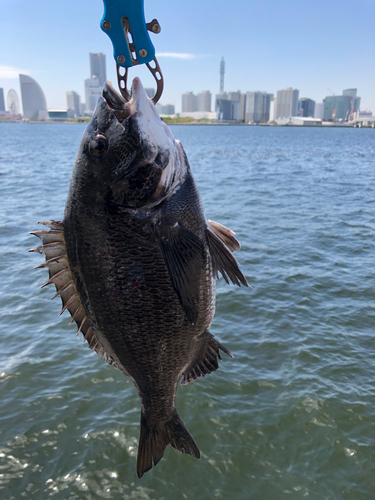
column 135, row 261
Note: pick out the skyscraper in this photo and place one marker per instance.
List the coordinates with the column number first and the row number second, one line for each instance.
column 356, row 101
column 204, row 101
column 287, row 103
column 258, row 106
column 2, row 103
column 33, row 99
column 189, row 102
column 242, row 114
column 222, row 73
column 92, row 92
column 235, row 99
column 74, row 102
column 98, row 67
column 306, row 107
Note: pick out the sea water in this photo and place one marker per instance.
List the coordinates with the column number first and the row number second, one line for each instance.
column 292, row 416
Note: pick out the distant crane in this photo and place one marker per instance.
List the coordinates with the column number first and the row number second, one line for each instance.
column 331, row 91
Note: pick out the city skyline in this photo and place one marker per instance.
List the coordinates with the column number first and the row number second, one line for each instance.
column 294, row 44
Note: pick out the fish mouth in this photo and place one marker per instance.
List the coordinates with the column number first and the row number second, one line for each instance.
column 121, row 108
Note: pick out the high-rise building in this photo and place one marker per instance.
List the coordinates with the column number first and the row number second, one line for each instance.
column 189, row 102
column 92, row 92
column 204, row 101
column 222, row 73
column 235, row 98
column 337, row 107
column 98, row 68
column 272, row 109
column 258, row 106
column 224, row 109
column 319, row 110
column 287, row 103
column 165, row 109
column 2, row 103
column 150, row 92
column 33, row 99
column 356, row 101
column 242, row 115
column 74, row 102
column 306, row 107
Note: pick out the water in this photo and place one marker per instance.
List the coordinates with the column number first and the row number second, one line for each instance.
column 292, row 416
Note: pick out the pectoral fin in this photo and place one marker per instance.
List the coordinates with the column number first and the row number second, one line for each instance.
column 224, row 261
column 184, row 257
column 225, row 234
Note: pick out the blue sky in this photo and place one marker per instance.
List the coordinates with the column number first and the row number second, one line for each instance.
column 311, row 45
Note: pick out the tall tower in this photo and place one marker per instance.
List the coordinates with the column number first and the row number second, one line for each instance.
column 222, row 73
column 98, row 67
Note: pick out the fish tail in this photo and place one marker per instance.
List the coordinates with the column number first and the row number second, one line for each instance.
column 154, row 439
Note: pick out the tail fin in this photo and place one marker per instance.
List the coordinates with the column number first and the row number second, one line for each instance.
column 154, row 439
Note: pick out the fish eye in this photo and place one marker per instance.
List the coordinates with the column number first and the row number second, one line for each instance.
column 98, row 146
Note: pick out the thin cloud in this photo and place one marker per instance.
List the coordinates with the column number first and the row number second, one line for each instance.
column 178, row 55
column 11, row 72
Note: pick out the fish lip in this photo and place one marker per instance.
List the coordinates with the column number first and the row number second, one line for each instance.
column 120, row 107
column 116, row 103
column 114, row 100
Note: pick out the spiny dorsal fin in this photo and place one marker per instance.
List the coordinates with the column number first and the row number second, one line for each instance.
column 54, row 249
column 225, row 234
column 206, row 362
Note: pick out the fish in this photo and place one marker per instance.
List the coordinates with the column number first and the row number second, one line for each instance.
column 135, row 262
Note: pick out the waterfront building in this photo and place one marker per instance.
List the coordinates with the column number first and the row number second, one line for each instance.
column 165, row 109
column 319, row 110
column 272, row 109
column 13, row 102
column 306, row 107
column 150, row 92
column 235, row 98
column 189, row 102
column 337, row 107
column 222, row 74
column 93, row 92
column 2, row 103
column 204, row 101
column 287, row 103
column 98, row 67
column 356, row 101
column 224, row 109
column 73, row 101
column 83, row 108
column 33, row 99
column 242, row 113
column 258, row 106
column 61, row 114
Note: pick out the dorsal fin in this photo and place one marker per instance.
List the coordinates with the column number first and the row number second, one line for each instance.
column 54, row 249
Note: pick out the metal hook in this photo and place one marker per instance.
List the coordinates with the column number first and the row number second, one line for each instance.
column 156, row 73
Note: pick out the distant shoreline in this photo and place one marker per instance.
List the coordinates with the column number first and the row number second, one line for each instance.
column 199, row 123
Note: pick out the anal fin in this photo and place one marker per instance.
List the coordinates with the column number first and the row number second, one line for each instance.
column 206, row 362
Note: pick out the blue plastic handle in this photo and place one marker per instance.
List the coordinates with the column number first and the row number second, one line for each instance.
column 111, row 24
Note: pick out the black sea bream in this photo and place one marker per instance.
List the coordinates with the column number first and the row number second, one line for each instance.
column 135, row 262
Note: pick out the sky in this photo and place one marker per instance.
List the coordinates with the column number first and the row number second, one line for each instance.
column 319, row 47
